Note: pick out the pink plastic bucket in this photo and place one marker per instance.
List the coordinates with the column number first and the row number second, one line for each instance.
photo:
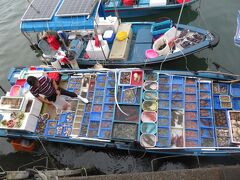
column 150, row 53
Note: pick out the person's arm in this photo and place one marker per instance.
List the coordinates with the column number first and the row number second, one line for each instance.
column 43, row 100
column 55, row 87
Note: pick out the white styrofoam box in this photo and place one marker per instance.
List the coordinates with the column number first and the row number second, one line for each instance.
column 171, row 34
column 96, row 53
column 108, row 34
column 157, row 2
column 110, row 23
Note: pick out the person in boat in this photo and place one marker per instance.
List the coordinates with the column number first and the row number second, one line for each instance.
column 49, row 88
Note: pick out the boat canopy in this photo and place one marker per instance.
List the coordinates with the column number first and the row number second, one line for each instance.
column 237, row 35
column 63, row 23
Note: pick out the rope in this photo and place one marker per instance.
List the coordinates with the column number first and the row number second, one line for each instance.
column 179, row 17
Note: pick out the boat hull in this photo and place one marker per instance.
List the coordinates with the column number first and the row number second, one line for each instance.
column 142, row 10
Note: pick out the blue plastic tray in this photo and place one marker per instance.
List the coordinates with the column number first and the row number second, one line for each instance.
column 49, row 132
column 163, row 95
column 101, row 77
column 177, row 104
column 177, row 80
column 163, row 142
column 105, row 133
column 206, row 122
column 190, row 89
column 163, row 132
column 111, row 84
column 94, row 124
column 107, row 115
column 163, row 122
column 98, row 99
column 207, row 132
column 111, row 76
column 164, row 112
column 205, row 86
column 236, row 103
column 99, row 92
column 191, row 134
column 109, row 99
column 216, row 102
column 67, row 117
column 205, row 103
column 95, row 116
column 108, row 107
column 164, row 87
column 164, row 104
column 191, row 115
column 92, row 133
column 191, row 143
column 191, row 106
column 177, row 96
column 51, row 123
column 208, row 142
column 106, row 124
column 224, row 88
column 86, row 118
column 235, row 89
column 110, row 91
column 205, row 95
column 206, row 113
column 164, row 79
column 177, row 87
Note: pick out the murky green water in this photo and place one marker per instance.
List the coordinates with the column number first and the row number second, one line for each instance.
column 216, row 15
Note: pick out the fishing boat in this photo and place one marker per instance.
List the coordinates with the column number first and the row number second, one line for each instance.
column 137, row 8
column 88, row 38
column 237, row 35
column 163, row 112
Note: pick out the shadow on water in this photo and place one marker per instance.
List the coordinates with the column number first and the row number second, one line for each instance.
column 189, row 14
column 107, row 161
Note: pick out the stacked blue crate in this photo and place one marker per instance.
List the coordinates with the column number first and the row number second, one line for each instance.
column 97, row 106
column 108, row 108
column 164, row 109
column 191, row 113
column 235, row 95
column 206, row 114
column 177, row 111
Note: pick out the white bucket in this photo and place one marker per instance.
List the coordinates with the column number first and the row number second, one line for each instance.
column 160, row 42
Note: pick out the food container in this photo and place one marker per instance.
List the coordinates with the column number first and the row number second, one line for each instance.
column 225, row 98
column 177, row 137
column 150, row 85
column 148, row 140
column 148, row 128
column 136, row 78
column 220, row 118
column 149, row 116
column 149, row 105
column 234, row 124
column 150, row 76
column 125, row 131
column 124, row 78
column 131, row 113
column 177, row 117
column 235, row 89
column 150, row 95
column 11, row 103
column 15, row 90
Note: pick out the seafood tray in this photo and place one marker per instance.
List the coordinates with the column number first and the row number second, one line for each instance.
column 95, row 116
column 235, row 89
column 124, row 78
column 217, row 103
column 63, row 131
column 148, row 128
column 225, row 98
column 148, row 140
column 137, row 78
column 150, row 86
column 177, row 118
column 234, row 125
column 163, row 95
column 177, row 137
column 110, row 75
column 132, row 113
column 67, row 118
column 125, row 131
column 92, row 133
column 130, row 95
column 101, row 77
column 163, row 104
column 150, row 105
column 163, row 121
column 220, row 88
column 49, row 132
column 207, row 142
column 177, row 88
column 220, row 118
column 11, row 103
column 149, row 116
column 51, row 124
column 190, row 81
column 163, row 79
column 223, row 137
column 236, row 103
column 177, row 80
column 105, row 129
column 150, row 76
column 150, row 95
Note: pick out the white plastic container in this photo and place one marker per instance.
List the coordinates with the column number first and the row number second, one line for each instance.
column 97, row 53
column 171, row 34
column 160, row 42
column 110, row 23
column 157, row 2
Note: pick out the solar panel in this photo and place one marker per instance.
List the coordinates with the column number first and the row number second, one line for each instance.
column 40, row 10
column 76, row 7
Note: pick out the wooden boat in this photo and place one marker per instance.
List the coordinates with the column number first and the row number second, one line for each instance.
column 90, row 39
column 164, row 112
column 142, row 7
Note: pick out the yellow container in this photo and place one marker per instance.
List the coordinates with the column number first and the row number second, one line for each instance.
column 121, row 35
